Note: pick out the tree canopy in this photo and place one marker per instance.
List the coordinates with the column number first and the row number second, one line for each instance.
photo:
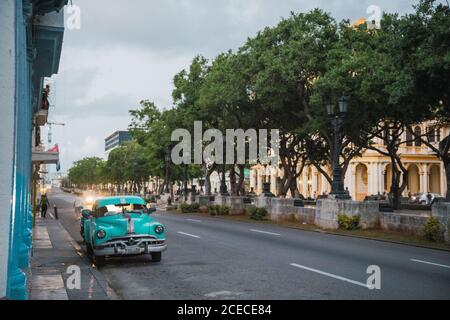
column 283, row 78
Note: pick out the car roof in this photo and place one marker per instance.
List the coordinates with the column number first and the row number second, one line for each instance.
column 121, row 200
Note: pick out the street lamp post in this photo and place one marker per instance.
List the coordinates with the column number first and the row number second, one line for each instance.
column 166, row 189
column 185, row 187
column 223, row 184
column 202, row 184
column 337, row 187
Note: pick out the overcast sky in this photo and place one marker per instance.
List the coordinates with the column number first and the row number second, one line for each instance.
column 127, row 51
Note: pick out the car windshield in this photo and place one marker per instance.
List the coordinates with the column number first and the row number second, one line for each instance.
column 111, row 210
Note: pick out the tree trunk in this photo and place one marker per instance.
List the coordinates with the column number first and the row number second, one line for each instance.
column 396, row 188
column 233, row 183
column 293, row 187
column 209, row 172
column 240, row 185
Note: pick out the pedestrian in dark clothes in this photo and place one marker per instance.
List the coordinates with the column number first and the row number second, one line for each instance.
column 44, row 206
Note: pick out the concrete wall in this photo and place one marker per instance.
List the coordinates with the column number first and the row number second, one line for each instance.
column 329, row 209
column 402, row 222
column 7, row 91
column 204, row 200
column 285, row 210
column 442, row 212
column 325, row 214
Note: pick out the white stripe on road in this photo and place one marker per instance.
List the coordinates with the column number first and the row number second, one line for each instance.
column 189, row 235
column 330, row 275
column 265, row 232
column 431, row 263
column 194, row 220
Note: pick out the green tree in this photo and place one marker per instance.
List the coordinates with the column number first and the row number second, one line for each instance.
column 84, row 173
column 426, row 44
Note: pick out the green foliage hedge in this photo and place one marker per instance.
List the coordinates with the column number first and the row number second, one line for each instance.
column 433, row 230
column 348, row 223
column 219, row 210
column 257, row 214
column 189, row 208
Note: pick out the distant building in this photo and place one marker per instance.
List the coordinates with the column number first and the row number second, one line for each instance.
column 371, row 173
column 117, row 139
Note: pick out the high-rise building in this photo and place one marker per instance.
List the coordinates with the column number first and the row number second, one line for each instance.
column 117, row 139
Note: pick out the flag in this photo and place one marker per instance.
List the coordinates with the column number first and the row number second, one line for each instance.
column 55, row 148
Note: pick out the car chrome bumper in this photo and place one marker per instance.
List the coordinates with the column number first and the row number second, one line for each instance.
column 121, row 247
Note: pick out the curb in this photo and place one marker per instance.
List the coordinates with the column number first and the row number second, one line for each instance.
column 99, row 277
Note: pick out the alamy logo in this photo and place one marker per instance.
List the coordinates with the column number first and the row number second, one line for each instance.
column 73, row 282
column 374, row 280
column 73, row 17
column 215, row 146
column 374, row 18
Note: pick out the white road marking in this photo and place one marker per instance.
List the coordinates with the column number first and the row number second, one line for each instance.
column 189, row 235
column 330, row 275
column 194, row 220
column 223, row 294
column 265, row 232
column 431, row 263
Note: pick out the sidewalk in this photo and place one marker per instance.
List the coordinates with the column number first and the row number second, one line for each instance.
column 54, row 250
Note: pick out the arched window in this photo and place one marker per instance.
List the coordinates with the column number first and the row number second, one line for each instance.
column 409, row 138
column 418, row 133
column 430, row 134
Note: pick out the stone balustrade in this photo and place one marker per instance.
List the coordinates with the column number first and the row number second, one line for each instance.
column 441, row 210
column 329, row 209
column 410, row 223
column 325, row 213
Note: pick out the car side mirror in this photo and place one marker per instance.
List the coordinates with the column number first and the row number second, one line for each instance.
column 86, row 214
column 151, row 210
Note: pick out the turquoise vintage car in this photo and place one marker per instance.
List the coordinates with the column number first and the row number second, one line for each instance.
column 122, row 226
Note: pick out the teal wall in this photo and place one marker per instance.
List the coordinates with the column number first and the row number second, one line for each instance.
column 22, row 52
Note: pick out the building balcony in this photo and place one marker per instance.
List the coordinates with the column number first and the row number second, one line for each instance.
column 41, row 117
column 46, row 6
column 45, row 157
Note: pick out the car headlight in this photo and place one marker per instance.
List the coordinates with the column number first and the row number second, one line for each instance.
column 101, row 234
column 159, row 229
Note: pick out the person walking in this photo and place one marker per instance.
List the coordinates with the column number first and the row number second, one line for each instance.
column 44, row 205
column 38, row 205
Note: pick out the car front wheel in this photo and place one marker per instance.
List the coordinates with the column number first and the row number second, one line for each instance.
column 99, row 261
column 156, row 256
column 90, row 252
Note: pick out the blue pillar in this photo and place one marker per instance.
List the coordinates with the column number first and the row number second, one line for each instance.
column 29, row 148
column 7, row 101
column 19, row 251
column 27, row 144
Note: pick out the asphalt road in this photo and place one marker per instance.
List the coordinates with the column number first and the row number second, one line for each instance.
column 210, row 258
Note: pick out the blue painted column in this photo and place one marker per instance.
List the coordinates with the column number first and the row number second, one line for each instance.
column 7, row 103
column 26, row 131
column 19, row 251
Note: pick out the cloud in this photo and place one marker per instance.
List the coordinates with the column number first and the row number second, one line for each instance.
column 129, row 51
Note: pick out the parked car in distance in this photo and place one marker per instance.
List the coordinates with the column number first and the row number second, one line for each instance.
column 122, row 226
column 423, row 198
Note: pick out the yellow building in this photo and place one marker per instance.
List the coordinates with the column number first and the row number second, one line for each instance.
column 371, row 173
